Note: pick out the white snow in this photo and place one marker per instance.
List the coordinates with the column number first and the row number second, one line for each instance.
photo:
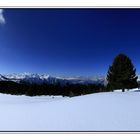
column 112, row 111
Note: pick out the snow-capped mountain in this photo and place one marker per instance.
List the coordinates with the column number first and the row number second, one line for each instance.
column 3, row 78
column 30, row 78
column 45, row 78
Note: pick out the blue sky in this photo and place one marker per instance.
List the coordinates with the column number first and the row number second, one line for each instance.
column 67, row 41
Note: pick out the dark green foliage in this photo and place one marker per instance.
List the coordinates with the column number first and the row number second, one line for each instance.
column 122, row 75
column 70, row 90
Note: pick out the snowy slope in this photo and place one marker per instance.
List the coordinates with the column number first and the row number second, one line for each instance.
column 114, row 111
column 3, row 78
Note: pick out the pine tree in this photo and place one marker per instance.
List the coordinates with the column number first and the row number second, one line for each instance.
column 122, row 75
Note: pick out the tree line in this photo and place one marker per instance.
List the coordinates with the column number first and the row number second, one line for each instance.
column 10, row 87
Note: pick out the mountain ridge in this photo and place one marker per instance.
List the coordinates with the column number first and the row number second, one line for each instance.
column 34, row 78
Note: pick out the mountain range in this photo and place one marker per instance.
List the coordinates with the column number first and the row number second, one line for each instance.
column 45, row 78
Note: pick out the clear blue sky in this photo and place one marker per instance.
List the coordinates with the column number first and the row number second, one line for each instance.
column 67, row 41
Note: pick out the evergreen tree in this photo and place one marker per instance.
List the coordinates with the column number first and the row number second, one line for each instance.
column 122, row 75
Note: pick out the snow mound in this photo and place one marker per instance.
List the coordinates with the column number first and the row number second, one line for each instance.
column 110, row 111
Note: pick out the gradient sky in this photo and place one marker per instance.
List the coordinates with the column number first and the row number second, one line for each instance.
column 67, row 41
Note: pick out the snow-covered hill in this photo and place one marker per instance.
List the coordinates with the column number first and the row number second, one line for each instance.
column 112, row 111
column 44, row 78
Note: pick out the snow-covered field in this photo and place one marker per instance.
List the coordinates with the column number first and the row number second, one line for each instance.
column 112, row 111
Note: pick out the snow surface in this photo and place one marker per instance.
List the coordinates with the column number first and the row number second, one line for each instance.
column 112, row 111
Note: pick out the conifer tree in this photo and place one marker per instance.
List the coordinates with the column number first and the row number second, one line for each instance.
column 122, row 74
